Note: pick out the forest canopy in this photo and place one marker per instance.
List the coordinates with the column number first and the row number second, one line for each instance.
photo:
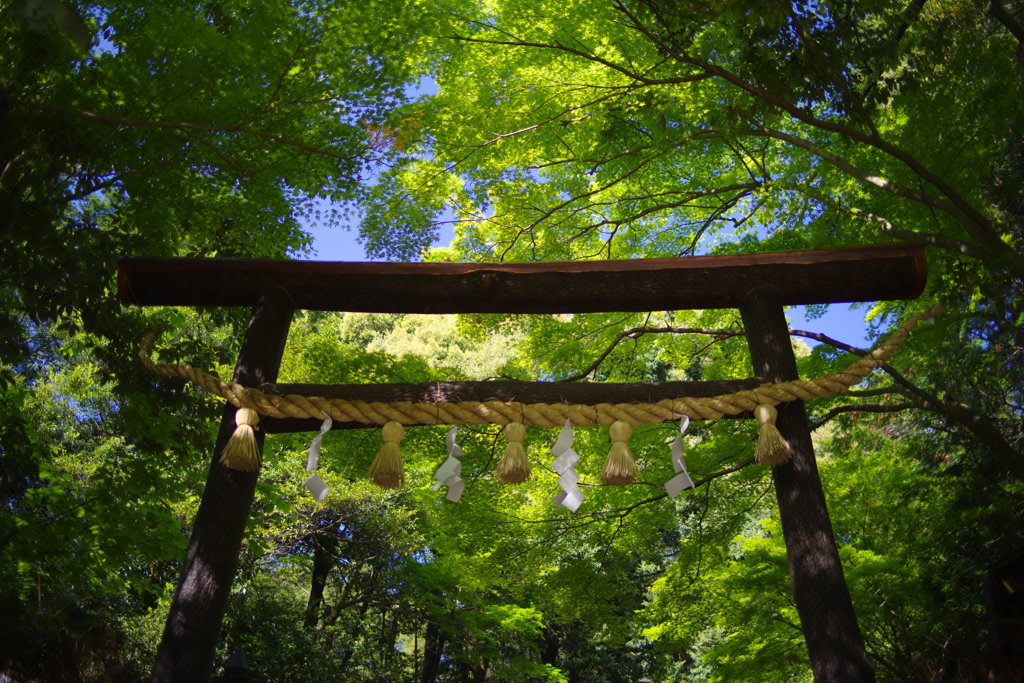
column 536, row 131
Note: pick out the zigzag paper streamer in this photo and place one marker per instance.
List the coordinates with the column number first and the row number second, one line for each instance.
column 681, row 481
column 316, row 487
column 314, row 448
column 566, row 458
column 314, row 483
column 448, row 473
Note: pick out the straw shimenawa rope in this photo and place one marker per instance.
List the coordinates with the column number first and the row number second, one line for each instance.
column 533, row 414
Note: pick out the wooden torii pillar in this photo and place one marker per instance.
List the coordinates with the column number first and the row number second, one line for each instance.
column 759, row 285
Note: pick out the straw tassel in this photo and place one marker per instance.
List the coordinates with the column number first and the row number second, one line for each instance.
column 242, row 452
column 386, row 470
column 514, row 467
column 619, row 467
column 772, row 449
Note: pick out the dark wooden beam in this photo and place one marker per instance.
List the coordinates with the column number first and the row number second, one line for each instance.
column 585, row 393
column 834, row 641
column 800, row 277
column 192, row 630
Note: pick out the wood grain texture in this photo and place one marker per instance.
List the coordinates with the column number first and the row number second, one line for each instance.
column 192, row 630
column 800, row 277
column 833, row 637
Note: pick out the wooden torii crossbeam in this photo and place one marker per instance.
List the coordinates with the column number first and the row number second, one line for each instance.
column 798, row 277
column 759, row 285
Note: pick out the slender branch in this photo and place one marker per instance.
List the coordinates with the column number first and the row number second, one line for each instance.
column 956, row 413
column 860, row 408
column 639, row 78
column 547, row 213
column 635, row 332
column 974, row 221
column 929, row 238
column 743, row 190
column 11, row 163
column 601, row 515
column 877, row 391
column 843, row 86
column 1004, row 17
column 848, row 168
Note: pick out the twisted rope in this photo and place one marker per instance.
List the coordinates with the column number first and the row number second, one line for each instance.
column 547, row 415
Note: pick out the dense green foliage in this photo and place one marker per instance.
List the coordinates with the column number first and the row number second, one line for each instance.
column 568, row 130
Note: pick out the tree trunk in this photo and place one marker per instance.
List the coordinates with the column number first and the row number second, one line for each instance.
column 433, row 646
column 349, row 651
column 192, row 630
column 388, row 635
column 834, row 641
column 480, row 671
column 551, row 646
column 324, row 546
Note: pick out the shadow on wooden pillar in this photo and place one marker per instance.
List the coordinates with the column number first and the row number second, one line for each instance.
column 193, row 625
column 834, row 641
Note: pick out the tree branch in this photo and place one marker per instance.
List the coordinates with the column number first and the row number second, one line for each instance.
column 877, row 391
column 860, row 408
column 693, row 78
column 850, row 169
column 617, row 513
column 635, row 332
column 928, row 238
column 955, row 412
column 1009, row 22
column 841, row 84
column 976, row 224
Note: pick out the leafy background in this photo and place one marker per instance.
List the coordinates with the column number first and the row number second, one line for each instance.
column 558, row 131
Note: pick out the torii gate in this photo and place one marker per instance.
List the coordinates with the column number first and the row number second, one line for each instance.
column 759, row 285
